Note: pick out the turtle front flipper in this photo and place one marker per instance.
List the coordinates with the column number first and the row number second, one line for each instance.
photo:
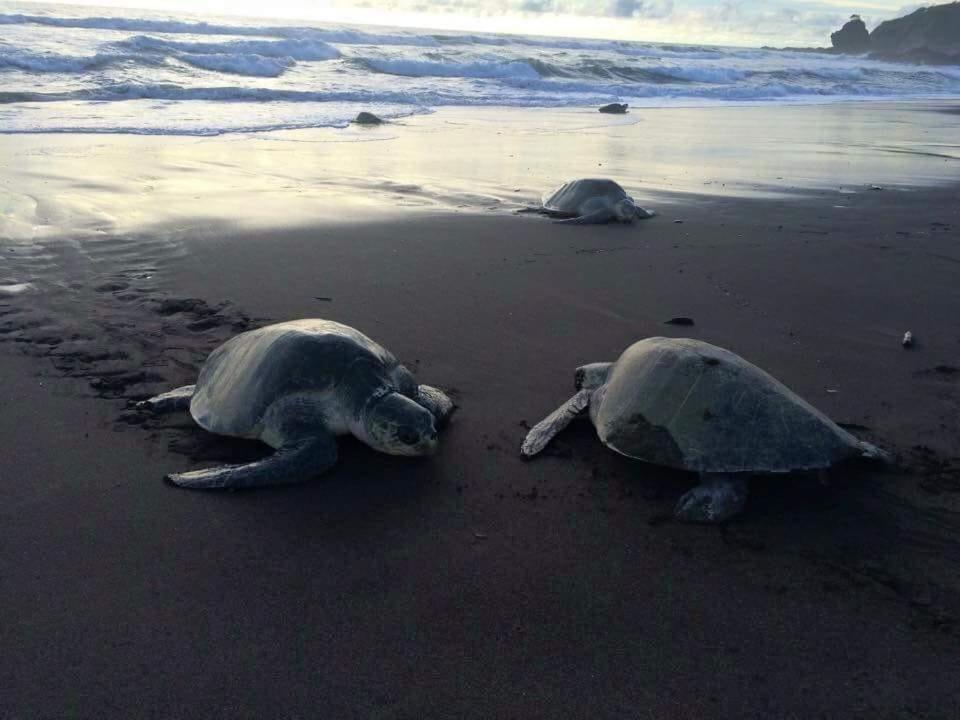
column 716, row 499
column 292, row 463
column 437, row 402
column 177, row 399
column 597, row 217
column 544, row 431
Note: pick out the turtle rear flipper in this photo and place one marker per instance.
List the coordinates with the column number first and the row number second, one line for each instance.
column 872, row 452
column 544, row 431
column 177, row 399
column 291, row 463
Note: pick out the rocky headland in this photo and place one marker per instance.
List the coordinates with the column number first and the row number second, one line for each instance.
column 929, row 35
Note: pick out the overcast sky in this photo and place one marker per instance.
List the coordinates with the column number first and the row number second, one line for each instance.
column 735, row 22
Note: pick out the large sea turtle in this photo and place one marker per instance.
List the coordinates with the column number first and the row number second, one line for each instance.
column 591, row 201
column 295, row 386
column 690, row 405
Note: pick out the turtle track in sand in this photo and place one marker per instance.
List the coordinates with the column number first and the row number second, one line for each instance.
column 100, row 310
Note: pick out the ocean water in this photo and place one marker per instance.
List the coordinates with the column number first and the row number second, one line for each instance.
column 71, row 69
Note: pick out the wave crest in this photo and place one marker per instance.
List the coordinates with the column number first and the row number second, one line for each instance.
column 431, row 68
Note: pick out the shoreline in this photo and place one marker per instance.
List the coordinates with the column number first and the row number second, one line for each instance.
column 486, row 160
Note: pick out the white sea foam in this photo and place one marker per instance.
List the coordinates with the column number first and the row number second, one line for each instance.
column 296, row 48
column 254, row 65
column 249, row 75
column 426, row 68
column 141, row 25
column 52, row 62
column 129, row 24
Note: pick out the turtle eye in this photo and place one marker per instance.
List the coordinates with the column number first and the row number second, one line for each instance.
column 407, row 435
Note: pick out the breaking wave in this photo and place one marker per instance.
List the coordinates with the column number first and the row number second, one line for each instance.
column 314, row 75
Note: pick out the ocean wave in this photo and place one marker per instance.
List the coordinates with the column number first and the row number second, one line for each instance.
column 296, row 48
column 340, row 36
column 146, row 117
column 358, row 37
column 507, row 84
column 251, row 65
column 54, row 63
column 240, row 57
column 430, row 68
column 556, row 43
column 206, row 77
column 514, row 92
column 421, row 99
column 169, row 91
column 129, row 24
column 703, row 74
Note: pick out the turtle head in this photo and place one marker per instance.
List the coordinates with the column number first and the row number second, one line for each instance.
column 396, row 425
column 592, row 376
column 626, row 211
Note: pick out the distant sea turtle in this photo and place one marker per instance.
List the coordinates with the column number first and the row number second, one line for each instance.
column 614, row 108
column 295, row 386
column 367, row 118
column 591, row 201
column 690, row 405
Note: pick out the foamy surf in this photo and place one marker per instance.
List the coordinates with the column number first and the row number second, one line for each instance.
column 207, row 78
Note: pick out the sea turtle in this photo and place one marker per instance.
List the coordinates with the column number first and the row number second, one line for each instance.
column 367, row 118
column 591, row 201
column 614, row 108
column 690, row 405
column 295, row 385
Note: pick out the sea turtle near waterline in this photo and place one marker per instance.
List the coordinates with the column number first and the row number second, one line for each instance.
column 295, row 386
column 590, row 201
column 690, row 405
column 614, row 108
column 367, row 118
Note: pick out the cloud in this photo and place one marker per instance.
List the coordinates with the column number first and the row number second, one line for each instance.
column 731, row 22
column 653, row 9
column 725, row 22
column 639, row 8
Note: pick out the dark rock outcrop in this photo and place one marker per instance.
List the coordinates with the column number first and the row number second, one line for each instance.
column 852, row 37
column 928, row 35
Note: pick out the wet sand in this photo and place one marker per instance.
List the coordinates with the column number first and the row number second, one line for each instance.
column 474, row 160
column 473, row 584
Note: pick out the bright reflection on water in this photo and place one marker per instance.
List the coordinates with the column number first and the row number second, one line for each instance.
column 470, row 159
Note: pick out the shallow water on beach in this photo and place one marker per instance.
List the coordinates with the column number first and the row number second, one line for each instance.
column 93, row 228
column 466, row 159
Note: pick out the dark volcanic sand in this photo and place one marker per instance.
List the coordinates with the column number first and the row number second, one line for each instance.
column 473, row 585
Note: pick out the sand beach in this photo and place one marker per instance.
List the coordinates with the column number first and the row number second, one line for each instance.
column 473, row 584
